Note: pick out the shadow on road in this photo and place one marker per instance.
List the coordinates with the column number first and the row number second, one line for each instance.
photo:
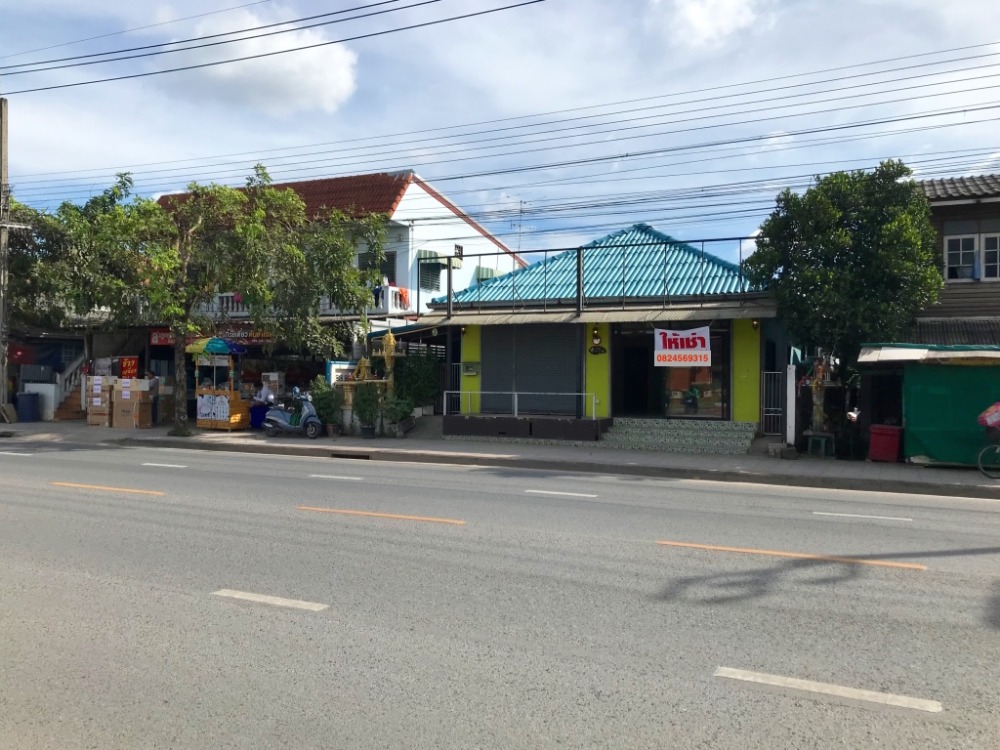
column 732, row 588
column 993, row 608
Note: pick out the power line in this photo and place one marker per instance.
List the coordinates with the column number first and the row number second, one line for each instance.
column 730, row 111
column 129, row 31
column 160, row 45
column 279, row 52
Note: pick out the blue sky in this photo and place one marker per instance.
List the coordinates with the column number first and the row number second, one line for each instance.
column 553, row 123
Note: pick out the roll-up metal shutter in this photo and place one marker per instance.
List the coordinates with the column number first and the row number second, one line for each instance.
column 497, row 369
column 532, row 360
column 547, row 360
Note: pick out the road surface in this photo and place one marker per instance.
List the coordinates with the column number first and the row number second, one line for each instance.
column 154, row 598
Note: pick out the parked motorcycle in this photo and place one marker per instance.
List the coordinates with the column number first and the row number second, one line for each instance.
column 297, row 419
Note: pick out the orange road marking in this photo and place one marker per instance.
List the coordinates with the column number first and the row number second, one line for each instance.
column 798, row 555
column 452, row 521
column 107, row 489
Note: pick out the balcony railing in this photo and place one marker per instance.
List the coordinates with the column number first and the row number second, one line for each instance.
column 393, row 301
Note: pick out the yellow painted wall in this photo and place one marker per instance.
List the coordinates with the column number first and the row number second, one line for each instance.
column 746, row 372
column 597, row 371
column 472, row 349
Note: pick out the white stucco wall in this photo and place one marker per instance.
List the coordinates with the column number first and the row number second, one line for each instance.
column 435, row 227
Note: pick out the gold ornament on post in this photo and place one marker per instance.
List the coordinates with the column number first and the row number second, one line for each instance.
column 389, row 352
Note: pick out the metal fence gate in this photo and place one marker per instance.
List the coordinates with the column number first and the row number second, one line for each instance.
column 772, row 398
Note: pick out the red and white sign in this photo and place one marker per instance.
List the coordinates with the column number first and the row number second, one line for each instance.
column 129, row 367
column 691, row 348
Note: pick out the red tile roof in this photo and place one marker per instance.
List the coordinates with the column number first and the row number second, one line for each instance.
column 362, row 194
column 356, row 195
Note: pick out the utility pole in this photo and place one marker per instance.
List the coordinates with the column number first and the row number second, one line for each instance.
column 4, row 218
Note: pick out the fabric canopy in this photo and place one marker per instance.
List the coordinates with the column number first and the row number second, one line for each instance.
column 209, row 346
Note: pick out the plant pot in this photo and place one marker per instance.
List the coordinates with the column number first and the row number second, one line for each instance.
column 331, row 430
column 368, row 431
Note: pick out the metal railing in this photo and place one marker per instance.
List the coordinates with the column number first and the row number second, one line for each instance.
column 772, row 397
column 465, row 399
column 391, row 301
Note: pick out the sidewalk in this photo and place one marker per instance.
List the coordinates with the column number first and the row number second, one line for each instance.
column 426, row 445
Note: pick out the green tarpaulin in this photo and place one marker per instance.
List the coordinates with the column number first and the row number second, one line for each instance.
column 940, row 406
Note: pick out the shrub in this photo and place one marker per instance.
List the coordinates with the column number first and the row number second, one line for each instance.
column 327, row 400
column 418, row 379
column 397, row 409
column 367, row 404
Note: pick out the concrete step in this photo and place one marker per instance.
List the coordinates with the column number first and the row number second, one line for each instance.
column 681, row 436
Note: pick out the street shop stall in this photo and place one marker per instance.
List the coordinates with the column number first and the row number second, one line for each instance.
column 220, row 401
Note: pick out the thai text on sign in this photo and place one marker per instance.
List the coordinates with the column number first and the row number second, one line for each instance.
column 691, row 348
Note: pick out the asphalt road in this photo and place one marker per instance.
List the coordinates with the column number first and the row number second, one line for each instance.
column 184, row 599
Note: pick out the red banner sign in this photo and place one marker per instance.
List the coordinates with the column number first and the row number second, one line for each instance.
column 129, row 367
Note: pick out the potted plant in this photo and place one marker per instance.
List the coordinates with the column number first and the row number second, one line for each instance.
column 367, row 408
column 327, row 401
column 398, row 415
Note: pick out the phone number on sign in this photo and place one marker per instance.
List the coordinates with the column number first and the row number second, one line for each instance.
column 671, row 358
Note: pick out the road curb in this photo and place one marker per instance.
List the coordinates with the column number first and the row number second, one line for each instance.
column 354, row 453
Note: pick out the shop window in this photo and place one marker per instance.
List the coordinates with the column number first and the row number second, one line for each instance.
column 991, row 256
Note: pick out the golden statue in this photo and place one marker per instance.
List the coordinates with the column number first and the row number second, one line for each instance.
column 389, row 353
column 361, row 370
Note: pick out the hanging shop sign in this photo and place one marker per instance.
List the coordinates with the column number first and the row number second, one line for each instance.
column 243, row 334
column 691, row 348
column 129, row 367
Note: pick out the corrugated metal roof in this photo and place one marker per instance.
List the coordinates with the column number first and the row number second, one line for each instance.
column 957, row 188
column 634, row 263
column 958, row 332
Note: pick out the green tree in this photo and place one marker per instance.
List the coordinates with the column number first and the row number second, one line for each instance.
column 175, row 255
column 850, row 261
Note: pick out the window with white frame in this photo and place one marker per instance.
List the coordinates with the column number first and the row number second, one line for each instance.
column 991, row 256
column 960, row 257
column 972, row 250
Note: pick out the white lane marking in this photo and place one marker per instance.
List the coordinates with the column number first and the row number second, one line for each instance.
column 277, row 601
column 167, row 466
column 14, row 453
column 826, row 688
column 856, row 515
column 564, row 494
column 333, row 476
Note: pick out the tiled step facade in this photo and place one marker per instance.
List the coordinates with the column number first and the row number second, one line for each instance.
column 70, row 409
column 681, row 436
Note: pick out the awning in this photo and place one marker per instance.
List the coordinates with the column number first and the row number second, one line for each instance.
column 937, row 354
column 401, row 331
column 485, row 272
column 437, row 258
column 589, row 317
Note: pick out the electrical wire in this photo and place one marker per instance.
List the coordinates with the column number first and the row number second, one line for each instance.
column 137, row 28
column 261, row 55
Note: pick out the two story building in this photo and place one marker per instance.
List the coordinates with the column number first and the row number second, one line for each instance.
column 936, row 383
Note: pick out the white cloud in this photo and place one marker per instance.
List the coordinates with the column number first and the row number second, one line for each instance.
column 701, row 23
column 319, row 79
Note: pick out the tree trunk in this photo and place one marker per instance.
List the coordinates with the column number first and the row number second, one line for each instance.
column 181, row 426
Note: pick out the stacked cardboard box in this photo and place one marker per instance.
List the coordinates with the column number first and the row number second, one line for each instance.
column 133, row 405
column 99, row 400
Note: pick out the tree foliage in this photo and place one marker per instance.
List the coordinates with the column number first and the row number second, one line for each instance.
column 850, row 261
column 164, row 262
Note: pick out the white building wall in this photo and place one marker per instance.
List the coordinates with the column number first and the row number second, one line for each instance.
column 435, row 227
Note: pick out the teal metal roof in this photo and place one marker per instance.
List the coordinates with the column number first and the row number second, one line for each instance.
column 634, row 263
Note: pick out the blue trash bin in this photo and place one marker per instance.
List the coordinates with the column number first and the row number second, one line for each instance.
column 28, row 408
